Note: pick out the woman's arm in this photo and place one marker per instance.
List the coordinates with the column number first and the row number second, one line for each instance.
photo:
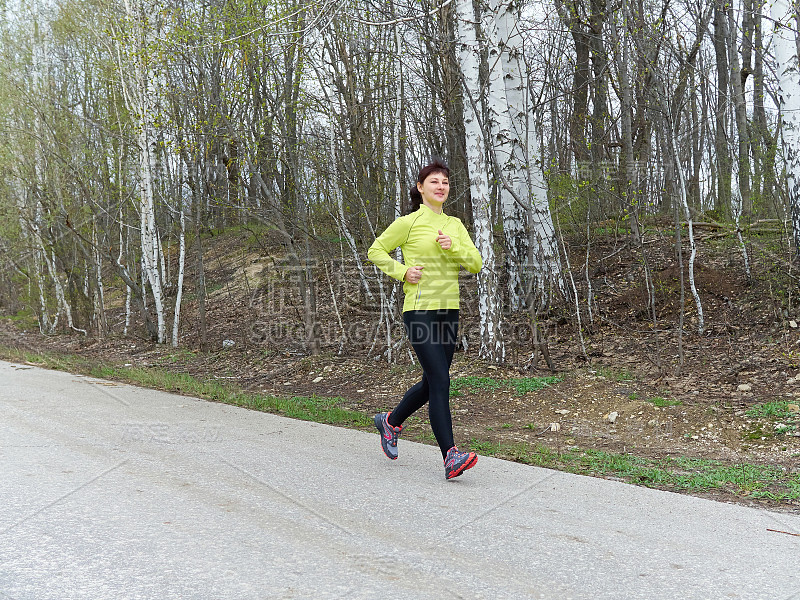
column 394, row 235
column 463, row 251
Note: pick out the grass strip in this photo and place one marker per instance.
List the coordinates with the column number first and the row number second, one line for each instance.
column 520, row 385
column 680, row 474
column 662, row 402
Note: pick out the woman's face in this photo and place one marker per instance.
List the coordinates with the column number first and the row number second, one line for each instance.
column 434, row 189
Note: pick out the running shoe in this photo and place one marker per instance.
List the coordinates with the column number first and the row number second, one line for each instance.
column 389, row 435
column 455, row 463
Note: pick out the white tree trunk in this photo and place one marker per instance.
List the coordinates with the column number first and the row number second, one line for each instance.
column 123, row 251
column 147, row 222
column 38, row 60
column 507, row 146
column 537, row 248
column 100, row 301
column 137, row 82
column 492, row 347
column 45, row 326
column 785, row 46
column 687, row 213
column 50, row 263
column 181, row 263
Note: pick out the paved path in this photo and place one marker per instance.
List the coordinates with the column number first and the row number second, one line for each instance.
column 108, row 491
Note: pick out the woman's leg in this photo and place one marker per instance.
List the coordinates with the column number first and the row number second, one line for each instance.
column 418, row 325
column 439, row 403
column 433, row 335
column 415, row 398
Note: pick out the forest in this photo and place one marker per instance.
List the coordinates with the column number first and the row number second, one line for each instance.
column 580, row 134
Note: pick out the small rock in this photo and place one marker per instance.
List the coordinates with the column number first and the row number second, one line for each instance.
column 361, row 391
column 228, row 344
column 793, row 408
column 791, row 380
column 493, row 368
column 287, row 383
column 328, row 368
column 793, row 324
column 744, row 387
column 612, row 417
column 653, row 422
column 555, row 427
column 563, row 411
column 317, row 380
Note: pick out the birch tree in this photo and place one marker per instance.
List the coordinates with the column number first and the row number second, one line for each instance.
column 785, row 42
column 527, row 222
column 492, row 346
column 137, row 79
column 506, row 147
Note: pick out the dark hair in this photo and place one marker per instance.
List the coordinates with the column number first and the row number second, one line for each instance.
column 435, row 166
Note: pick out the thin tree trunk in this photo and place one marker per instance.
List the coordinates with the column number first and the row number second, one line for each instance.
column 737, row 80
column 599, row 84
column 569, row 12
column 181, row 263
column 630, row 173
column 102, row 325
column 723, row 200
column 681, row 190
column 492, row 346
column 785, row 45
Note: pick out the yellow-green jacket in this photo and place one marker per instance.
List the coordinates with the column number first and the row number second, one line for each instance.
column 416, row 234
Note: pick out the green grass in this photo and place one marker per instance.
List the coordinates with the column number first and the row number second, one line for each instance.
column 611, row 230
column 25, row 319
column 770, row 410
column 614, row 374
column 473, row 384
column 520, row 385
column 692, row 475
column 662, row 402
column 308, row 408
column 523, row 385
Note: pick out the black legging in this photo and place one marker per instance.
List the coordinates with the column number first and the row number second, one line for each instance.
column 433, row 335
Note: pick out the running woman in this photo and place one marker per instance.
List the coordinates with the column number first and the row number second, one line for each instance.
column 435, row 246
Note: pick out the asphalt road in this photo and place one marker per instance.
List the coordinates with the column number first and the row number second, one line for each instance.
column 108, row 491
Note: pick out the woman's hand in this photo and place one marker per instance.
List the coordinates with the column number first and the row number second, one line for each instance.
column 444, row 240
column 414, row 274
